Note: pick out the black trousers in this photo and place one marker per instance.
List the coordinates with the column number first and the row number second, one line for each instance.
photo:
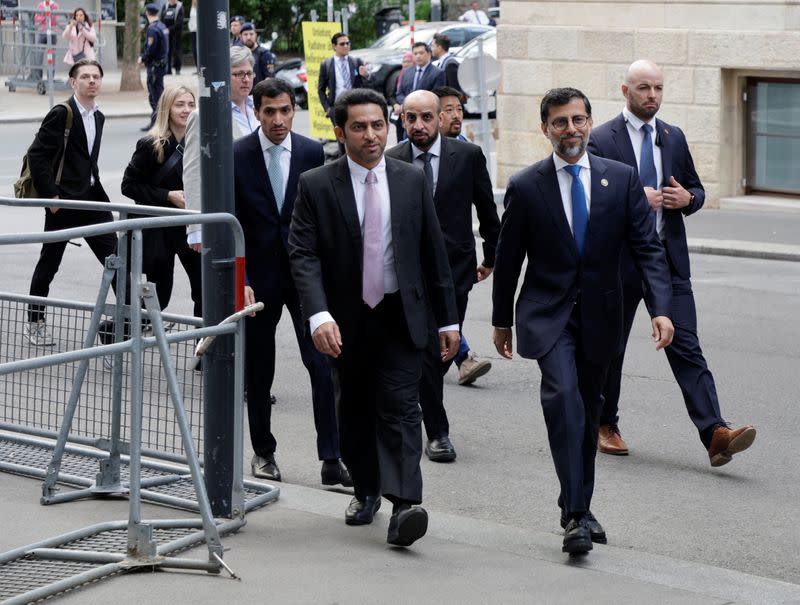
column 162, row 274
column 684, row 355
column 52, row 253
column 155, row 87
column 571, row 398
column 260, row 373
column 193, row 38
column 175, row 51
column 377, row 385
column 431, row 388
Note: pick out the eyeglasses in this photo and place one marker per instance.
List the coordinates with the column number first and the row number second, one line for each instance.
column 343, row 43
column 243, row 75
column 560, row 124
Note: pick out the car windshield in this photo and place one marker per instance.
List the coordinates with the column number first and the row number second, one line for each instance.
column 400, row 38
column 390, row 39
column 471, row 48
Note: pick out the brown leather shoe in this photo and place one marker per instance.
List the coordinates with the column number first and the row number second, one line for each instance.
column 610, row 441
column 726, row 442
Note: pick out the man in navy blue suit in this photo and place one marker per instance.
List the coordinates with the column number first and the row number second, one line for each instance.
column 424, row 76
column 571, row 215
column 660, row 155
column 267, row 166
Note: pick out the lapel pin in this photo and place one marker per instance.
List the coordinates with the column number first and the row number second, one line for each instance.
column 604, row 183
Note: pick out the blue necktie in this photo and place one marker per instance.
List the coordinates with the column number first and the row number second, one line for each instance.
column 276, row 174
column 580, row 215
column 417, row 77
column 647, row 165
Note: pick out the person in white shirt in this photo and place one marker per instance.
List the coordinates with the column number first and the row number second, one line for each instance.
column 475, row 15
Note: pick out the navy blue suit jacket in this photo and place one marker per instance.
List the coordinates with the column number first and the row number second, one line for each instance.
column 535, row 225
column 611, row 140
column 432, row 77
column 266, row 232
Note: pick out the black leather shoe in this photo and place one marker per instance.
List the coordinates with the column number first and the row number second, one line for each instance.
column 335, row 473
column 577, row 538
column 265, row 468
column 596, row 531
column 440, row 449
column 407, row 526
column 272, row 399
column 362, row 512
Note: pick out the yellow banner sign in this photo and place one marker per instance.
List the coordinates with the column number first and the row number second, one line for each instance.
column 317, row 47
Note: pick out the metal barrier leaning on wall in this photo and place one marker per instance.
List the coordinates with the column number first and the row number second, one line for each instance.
column 141, row 548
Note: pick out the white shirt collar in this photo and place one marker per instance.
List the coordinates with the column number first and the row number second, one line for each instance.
column 635, row 121
column 583, row 162
column 360, row 173
column 266, row 143
column 81, row 109
column 435, row 150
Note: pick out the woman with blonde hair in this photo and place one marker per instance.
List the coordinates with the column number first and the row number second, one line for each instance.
column 80, row 36
column 154, row 177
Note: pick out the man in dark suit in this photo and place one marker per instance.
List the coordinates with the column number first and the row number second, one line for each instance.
column 444, row 60
column 369, row 261
column 456, row 174
column 339, row 73
column 424, row 76
column 660, row 155
column 80, row 180
column 267, row 165
column 571, row 215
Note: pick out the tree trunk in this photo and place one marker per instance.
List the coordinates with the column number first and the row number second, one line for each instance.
column 131, row 43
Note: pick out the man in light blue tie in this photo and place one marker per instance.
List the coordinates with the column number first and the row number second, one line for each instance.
column 673, row 189
column 571, row 215
column 267, row 166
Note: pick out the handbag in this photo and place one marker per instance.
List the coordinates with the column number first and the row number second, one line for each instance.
column 81, row 55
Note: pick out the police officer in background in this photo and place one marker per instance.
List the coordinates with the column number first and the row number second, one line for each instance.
column 155, row 57
column 263, row 59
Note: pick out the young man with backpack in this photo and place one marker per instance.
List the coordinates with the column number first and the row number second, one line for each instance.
column 63, row 165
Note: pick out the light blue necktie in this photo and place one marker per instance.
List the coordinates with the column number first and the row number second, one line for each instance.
column 276, row 174
column 580, row 214
column 647, row 165
column 344, row 72
column 417, row 77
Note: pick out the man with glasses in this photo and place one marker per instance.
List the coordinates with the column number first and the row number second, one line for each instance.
column 569, row 310
column 338, row 74
column 660, row 155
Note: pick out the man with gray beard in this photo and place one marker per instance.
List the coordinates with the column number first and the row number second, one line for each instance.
column 569, row 310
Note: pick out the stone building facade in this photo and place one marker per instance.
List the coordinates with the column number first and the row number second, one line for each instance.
column 731, row 80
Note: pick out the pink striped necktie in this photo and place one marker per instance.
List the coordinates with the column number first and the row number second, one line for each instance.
column 372, row 279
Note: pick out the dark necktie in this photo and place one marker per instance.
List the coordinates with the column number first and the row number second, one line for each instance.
column 427, row 169
column 580, row 215
column 372, row 288
column 647, row 165
column 417, row 77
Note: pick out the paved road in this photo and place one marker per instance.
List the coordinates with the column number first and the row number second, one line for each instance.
column 663, row 499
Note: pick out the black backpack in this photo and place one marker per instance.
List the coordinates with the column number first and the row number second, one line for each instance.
column 24, row 187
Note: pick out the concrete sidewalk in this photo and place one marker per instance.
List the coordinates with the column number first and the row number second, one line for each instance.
column 298, row 550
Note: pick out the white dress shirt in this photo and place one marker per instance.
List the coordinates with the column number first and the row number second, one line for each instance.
column 565, row 184
column 472, row 16
column 634, row 125
column 435, row 151
column 358, row 178
column 90, row 126
column 340, row 63
column 286, row 156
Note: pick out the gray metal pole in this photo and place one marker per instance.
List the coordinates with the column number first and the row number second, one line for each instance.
column 216, row 170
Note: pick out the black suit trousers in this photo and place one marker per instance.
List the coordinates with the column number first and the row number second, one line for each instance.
column 260, row 373
column 571, row 400
column 52, row 253
column 684, row 355
column 377, row 380
column 431, row 388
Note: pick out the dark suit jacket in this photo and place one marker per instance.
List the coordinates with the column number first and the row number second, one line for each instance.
column 326, row 88
column 265, row 231
column 432, row 77
column 450, row 69
column 463, row 181
column 611, row 140
column 535, row 225
column 79, row 165
column 326, row 250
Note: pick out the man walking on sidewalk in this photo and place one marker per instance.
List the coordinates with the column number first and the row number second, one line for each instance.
column 658, row 151
column 76, row 178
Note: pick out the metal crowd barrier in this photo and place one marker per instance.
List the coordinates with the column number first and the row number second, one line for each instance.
column 78, row 394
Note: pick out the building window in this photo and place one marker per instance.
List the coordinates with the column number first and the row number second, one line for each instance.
column 773, row 136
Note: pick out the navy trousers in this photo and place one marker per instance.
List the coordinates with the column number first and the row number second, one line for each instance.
column 684, row 355
column 571, row 399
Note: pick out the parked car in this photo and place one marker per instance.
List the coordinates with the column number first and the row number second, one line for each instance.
column 489, row 39
column 384, row 57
